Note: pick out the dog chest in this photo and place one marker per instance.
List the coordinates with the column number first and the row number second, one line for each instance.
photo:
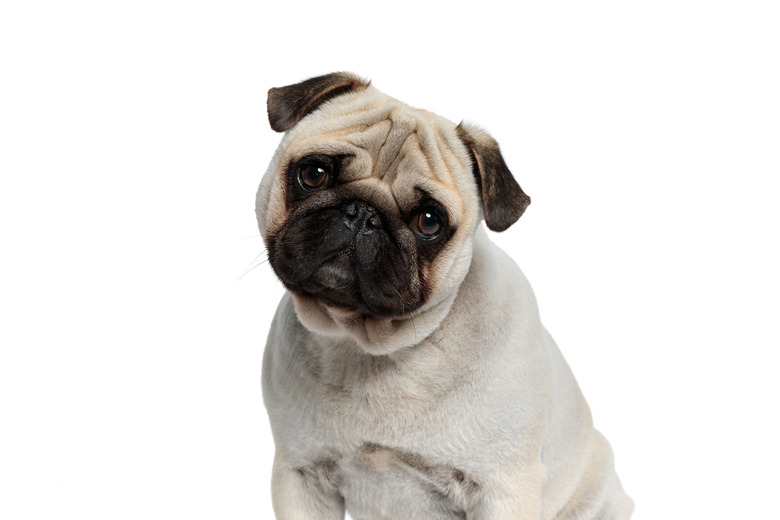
column 378, row 482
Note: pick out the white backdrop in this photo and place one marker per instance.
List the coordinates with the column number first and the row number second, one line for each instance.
column 134, row 301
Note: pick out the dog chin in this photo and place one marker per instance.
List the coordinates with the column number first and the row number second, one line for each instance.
column 336, row 283
column 336, row 274
column 372, row 334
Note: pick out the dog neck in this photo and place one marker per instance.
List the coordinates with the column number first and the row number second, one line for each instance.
column 378, row 336
column 383, row 336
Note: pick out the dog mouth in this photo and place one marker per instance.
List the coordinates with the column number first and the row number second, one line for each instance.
column 336, row 274
column 340, row 282
column 335, row 282
column 328, row 256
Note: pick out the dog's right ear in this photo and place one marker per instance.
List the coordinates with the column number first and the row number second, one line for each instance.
column 288, row 105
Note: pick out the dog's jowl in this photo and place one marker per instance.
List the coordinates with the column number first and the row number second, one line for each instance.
column 407, row 375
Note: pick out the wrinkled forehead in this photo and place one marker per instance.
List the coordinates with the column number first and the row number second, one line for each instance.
column 388, row 143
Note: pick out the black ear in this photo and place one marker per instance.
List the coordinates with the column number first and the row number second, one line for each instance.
column 288, row 105
column 503, row 201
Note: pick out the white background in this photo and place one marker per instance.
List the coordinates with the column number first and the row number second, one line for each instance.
column 134, row 301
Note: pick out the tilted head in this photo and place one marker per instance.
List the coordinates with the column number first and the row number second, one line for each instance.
column 369, row 206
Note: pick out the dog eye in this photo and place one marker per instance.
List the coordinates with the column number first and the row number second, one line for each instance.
column 427, row 224
column 314, row 176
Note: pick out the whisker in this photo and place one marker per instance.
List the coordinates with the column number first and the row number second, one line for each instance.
column 255, row 266
column 414, row 329
column 403, row 311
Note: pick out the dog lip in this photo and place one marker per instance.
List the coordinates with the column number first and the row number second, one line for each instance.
column 336, row 283
column 337, row 272
column 347, row 255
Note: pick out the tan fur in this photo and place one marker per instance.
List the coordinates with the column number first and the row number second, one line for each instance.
column 396, row 148
column 463, row 408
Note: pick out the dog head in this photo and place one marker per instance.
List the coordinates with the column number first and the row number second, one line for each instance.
column 369, row 206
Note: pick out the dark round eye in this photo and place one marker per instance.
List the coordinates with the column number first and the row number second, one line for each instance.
column 314, row 176
column 427, row 224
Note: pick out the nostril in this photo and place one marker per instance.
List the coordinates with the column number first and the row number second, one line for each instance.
column 351, row 209
column 362, row 214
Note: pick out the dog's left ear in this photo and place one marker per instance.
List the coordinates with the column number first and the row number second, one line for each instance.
column 503, row 201
column 288, row 105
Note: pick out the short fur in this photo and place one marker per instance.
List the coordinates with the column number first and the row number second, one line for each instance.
column 448, row 400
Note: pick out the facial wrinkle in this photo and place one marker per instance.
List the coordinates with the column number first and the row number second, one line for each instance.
column 367, row 138
column 407, row 159
column 359, row 113
column 355, row 131
column 430, row 150
column 403, row 127
column 446, row 152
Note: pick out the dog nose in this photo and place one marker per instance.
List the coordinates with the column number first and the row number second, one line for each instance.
column 360, row 212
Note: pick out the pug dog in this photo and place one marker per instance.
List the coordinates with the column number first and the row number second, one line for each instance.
column 407, row 375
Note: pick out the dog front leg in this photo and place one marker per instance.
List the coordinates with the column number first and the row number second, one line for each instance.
column 306, row 492
column 510, row 496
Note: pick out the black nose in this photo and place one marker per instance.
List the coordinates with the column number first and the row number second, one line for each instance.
column 360, row 214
